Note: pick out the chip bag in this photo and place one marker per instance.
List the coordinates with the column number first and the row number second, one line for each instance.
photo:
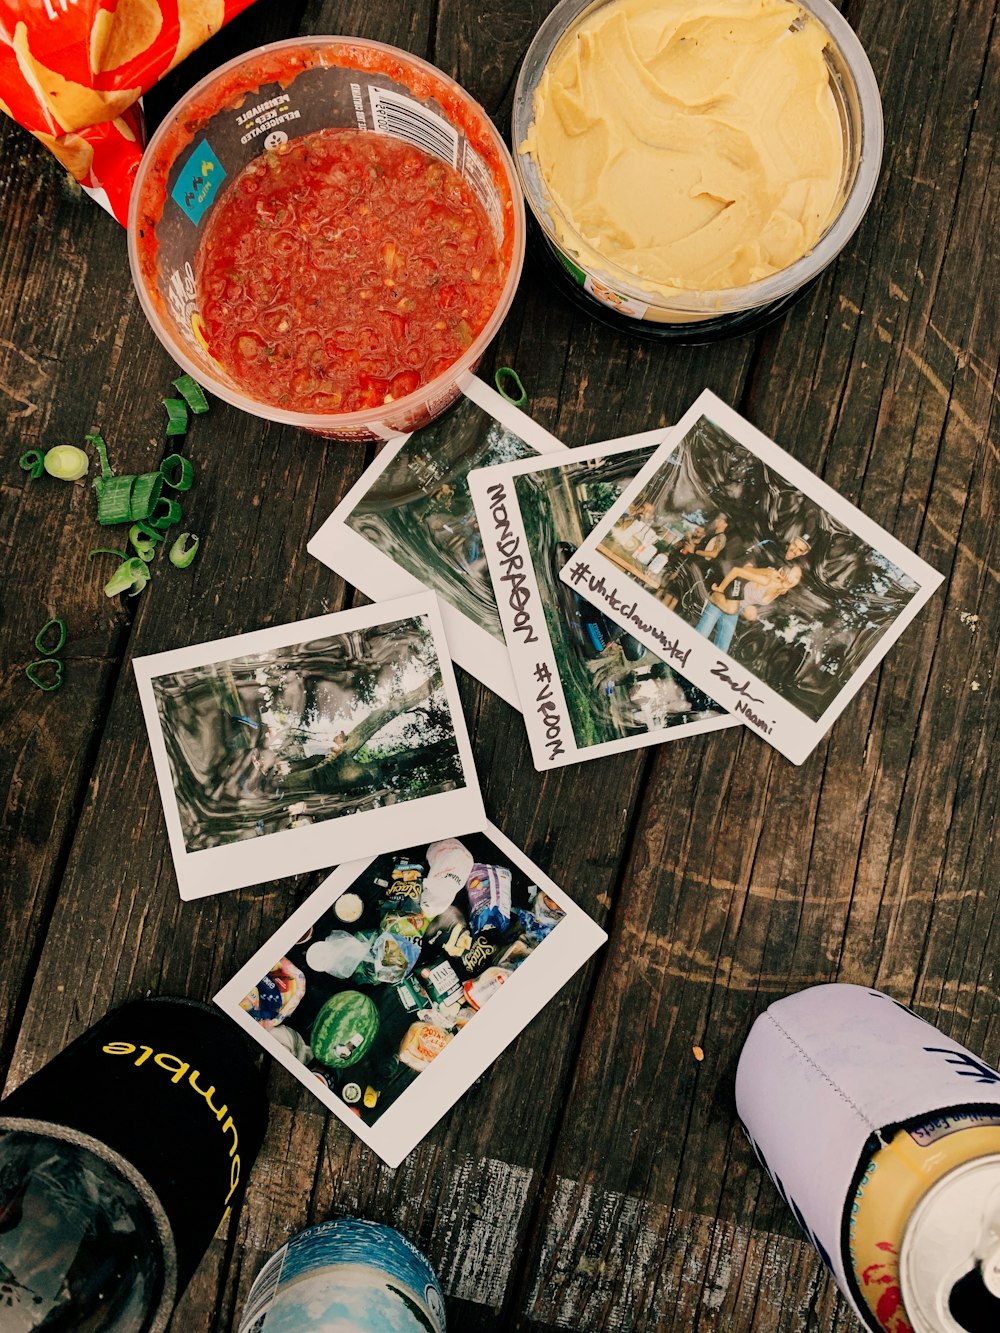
column 72, row 71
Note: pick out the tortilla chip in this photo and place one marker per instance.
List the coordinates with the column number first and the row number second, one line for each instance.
column 199, row 19
column 75, row 153
column 70, row 106
column 120, row 35
column 124, row 129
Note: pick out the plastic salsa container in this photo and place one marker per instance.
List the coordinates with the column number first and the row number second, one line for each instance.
column 620, row 297
column 261, row 100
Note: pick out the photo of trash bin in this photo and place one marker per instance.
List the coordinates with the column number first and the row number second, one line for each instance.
column 399, row 964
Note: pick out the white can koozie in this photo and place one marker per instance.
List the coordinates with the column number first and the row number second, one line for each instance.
column 825, row 1079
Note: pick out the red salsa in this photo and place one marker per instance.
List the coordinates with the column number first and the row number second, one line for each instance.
column 343, row 270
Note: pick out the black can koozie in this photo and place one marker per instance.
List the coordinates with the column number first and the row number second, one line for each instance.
column 166, row 1094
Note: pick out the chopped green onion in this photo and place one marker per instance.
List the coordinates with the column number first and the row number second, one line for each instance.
column 192, row 394
column 130, row 577
column 177, row 416
column 97, row 444
column 165, row 514
column 144, row 529
column 177, row 472
column 66, row 462
column 500, row 378
column 184, row 550
column 146, row 492
column 114, row 499
column 33, row 461
column 145, row 547
column 60, row 625
column 47, row 664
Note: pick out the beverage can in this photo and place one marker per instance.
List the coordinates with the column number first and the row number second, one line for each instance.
column 883, row 1137
column 346, row 1274
column 886, row 1231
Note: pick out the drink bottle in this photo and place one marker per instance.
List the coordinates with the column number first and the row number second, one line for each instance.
column 345, row 1274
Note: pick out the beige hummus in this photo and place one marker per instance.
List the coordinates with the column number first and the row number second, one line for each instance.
column 694, row 143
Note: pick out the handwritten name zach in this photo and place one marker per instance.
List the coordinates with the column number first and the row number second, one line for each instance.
column 742, row 705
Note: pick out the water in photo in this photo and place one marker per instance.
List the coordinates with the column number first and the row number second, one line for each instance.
column 419, row 511
column 308, row 732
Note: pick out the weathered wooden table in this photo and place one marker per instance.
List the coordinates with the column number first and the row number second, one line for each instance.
column 595, row 1179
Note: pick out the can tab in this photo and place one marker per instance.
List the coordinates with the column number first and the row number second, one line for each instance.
column 991, row 1272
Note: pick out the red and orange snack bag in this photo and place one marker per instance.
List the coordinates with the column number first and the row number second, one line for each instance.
column 72, row 71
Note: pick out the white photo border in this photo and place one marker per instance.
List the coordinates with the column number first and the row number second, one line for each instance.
column 470, row 1053
column 294, row 851
column 780, row 723
column 378, row 576
column 543, row 702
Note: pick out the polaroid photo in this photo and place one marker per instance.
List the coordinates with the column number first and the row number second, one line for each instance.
column 588, row 687
column 409, row 525
column 298, row 746
column 803, row 599
column 402, row 978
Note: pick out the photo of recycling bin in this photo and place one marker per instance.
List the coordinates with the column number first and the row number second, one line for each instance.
column 399, row 964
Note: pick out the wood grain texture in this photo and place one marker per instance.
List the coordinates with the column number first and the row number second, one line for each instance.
column 595, row 1179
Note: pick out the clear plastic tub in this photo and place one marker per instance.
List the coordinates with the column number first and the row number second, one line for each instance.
column 620, row 297
column 282, row 91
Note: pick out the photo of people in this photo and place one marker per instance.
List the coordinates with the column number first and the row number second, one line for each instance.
column 614, row 687
column 758, row 567
column 307, row 732
column 419, row 513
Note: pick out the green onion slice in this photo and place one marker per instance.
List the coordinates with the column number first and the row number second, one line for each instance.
column 143, row 529
column 101, row 449
column 192, row 394
column 66, row 462
column 165, row 514
column 60, row 625
column 177, row 416
column 53, row 669
column 104, row 550
column 33, row 461
column 144, row 547
column 114, row 499
column 518, row 395
column 146, row 491
column 184, row 550
column 131, row 577
column 177, row 472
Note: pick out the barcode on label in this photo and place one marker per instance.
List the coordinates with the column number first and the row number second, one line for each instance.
column 262, row 1293
column 476, row 172
column 405, row 119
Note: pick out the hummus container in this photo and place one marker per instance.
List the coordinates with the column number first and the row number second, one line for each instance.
column 634, row 284
column 260, row 101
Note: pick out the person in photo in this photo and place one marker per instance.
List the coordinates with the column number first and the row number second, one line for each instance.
column 744, row 589
column 774, row 551
column 707, row 547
